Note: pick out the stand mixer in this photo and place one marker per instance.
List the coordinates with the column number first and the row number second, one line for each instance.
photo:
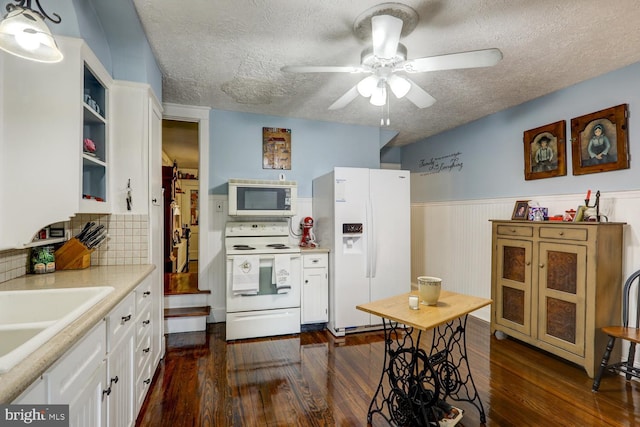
column 308, row 240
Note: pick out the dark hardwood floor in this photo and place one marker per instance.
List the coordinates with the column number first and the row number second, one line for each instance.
column 315, row 379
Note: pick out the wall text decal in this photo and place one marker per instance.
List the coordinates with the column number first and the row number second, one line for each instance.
column 449, row 163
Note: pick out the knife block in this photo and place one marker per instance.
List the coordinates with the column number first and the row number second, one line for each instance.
column 73, row 255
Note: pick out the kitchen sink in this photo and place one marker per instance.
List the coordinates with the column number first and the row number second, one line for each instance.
column 29, row 318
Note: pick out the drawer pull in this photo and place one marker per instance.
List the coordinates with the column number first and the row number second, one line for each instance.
column 126, row 318
column 147, row 381
column 146, row 322
column 306, row 281
column 561, row 233
column 146, row 350
column 315, row 260
column 146, row 294
column 114, row 380
column 541, row 265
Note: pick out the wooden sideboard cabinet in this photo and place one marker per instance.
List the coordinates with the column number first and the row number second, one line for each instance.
column 554, row 285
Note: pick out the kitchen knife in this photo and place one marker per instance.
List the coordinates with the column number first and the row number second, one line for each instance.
column 97, row 240
column 85, row 230
column 91, row 234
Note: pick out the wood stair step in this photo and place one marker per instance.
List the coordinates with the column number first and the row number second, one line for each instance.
column 182, row 284
column 186, row 312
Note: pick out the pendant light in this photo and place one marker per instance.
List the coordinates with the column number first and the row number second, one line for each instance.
column 24, row 33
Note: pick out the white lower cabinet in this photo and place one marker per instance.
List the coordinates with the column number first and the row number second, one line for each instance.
column 78, row 379
column 315, row 288
column 106, row 375
column 120, row 367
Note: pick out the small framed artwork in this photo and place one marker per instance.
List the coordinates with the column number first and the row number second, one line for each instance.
column 545, row 151
column 599, row 141
column 276, row 148
column 521, row 210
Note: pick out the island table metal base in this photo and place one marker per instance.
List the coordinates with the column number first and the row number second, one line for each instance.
column 413, row 382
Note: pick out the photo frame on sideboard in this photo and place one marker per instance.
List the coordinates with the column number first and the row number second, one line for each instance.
column 521, row 210
column 545, row 151
column 599, row 141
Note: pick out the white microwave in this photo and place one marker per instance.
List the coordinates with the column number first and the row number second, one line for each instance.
column 252, row 197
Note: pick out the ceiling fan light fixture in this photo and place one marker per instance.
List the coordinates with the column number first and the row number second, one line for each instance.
column 379, row 96
column 367, row 85
column 24, row 33
column 399, row 86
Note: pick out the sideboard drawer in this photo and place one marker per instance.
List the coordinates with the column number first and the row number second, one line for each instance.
column 515, row 230
column 564, row 233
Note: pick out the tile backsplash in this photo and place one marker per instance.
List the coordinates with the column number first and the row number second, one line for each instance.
column 13, row 264
column 128, row 243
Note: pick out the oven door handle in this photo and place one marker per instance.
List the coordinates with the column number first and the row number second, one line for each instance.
column 262, row 256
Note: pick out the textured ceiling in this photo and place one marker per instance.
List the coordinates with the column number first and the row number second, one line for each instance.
column 227, row 55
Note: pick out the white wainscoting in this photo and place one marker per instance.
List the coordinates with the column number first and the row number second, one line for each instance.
column 452, row 240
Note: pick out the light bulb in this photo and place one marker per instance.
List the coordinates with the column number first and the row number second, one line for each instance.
column 379, row 96
column 367, row 85
column 399, row 86
column 28, row 39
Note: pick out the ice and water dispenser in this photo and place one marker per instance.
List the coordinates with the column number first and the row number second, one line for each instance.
column 352, row 238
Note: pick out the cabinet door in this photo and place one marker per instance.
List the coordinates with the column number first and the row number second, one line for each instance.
column 513, row 284
column 88, row 407
column 561, row 297
column 314, row 295
column 120, row 380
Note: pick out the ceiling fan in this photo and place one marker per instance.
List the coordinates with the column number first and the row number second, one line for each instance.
column 387, row 57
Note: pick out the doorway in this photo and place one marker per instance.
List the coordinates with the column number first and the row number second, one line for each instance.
column 181, row 175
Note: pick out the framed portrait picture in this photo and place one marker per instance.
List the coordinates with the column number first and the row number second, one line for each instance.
column 545, row 151
column 276, row 148
column 599, row 141
column 521, row 210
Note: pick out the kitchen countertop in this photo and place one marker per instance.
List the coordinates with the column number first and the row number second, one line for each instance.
column 123, row 278
column 322, row 250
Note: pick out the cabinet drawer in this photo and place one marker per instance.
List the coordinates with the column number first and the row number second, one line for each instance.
column 142, row 385
column 515, row 230
column 143, row 323
column 319, row 260
column 143, row 294
column 568, row 233
column 143, row 354
column 119, row 320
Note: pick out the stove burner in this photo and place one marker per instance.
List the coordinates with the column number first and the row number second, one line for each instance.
column 243, row 247
column 278, row 246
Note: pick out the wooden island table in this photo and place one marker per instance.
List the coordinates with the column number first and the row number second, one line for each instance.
column 412, row 380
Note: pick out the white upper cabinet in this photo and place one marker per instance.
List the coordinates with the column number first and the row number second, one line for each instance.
column 132, row 107
column 44, row 167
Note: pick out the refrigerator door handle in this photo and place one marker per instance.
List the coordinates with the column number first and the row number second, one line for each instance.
column 367, row 235
column 373, row 247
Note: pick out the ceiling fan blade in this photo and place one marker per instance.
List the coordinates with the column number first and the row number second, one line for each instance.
column 418, row 96
column 452, row 61
column 385, row 33
column 345, row 99
column 321, row 69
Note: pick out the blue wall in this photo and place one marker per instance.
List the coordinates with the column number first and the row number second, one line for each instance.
column 114, row 33
column 485, row 159
column 236, row 148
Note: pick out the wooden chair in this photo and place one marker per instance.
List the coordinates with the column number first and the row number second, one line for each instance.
column 624, row 332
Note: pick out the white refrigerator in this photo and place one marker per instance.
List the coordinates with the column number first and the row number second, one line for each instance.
column 363, row 217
